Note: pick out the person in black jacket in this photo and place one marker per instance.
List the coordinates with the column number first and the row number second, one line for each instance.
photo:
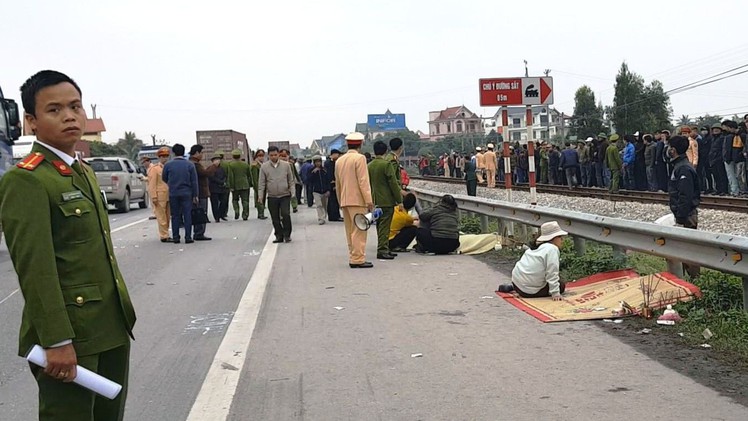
column 319, row 181
column 684, row 190
column 702, row 168
column 218, row 189
column 717, row 162
column 333, row 207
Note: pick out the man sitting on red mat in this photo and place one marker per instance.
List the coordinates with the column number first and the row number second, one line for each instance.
column 536, row 273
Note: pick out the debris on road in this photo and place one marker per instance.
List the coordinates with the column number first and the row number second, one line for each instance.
column 419, row 355
column 487, row 297
column 339, row 308
column 150, row 283
column 645, row 331
column 705, row 346
column 707, row 334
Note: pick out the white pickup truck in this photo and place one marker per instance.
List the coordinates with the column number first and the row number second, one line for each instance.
column 121, row 181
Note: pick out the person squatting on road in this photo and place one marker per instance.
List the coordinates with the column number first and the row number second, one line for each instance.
column 319, row 184
column 439, row 229
column 76, row 304
column 386, row 192
column 404, row 227
column 277, row 182
column 354, row 195
column 536, row 273
column 181, row 176
column 158, row 190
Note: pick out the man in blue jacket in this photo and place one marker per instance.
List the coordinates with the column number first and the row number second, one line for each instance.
column 629, row 158
column 181, row 176
column 306, row 170
column 570, row 163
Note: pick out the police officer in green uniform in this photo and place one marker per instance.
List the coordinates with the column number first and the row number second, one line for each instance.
column 240, row 180
column 385, row 191
column 254, row 169
column 224, row 197
column 76, row 303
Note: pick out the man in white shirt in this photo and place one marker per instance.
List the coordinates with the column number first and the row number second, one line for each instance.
column 536, row 273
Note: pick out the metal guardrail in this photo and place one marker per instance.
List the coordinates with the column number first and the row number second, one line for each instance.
column 723, row 252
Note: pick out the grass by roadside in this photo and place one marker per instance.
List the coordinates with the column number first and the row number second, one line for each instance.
column 720, row 309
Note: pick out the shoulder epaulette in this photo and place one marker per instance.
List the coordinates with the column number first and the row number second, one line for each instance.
column 31, row 162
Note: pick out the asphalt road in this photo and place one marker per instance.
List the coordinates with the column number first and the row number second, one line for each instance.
column 184, row 296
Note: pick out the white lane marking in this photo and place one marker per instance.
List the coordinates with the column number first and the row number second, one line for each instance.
column 129, row 225
column 214, row 400
column 113, row 231
column 8, row 297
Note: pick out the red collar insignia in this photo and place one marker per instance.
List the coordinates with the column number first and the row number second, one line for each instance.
column 62, row 168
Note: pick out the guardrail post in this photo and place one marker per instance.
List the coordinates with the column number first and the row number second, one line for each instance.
column 484, row 224
column 619, row 252
column 523, row 233
column 675, row 267
column 745, row 293
column 580, row 246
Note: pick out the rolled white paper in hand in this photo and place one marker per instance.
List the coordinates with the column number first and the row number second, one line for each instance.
column 85, row 378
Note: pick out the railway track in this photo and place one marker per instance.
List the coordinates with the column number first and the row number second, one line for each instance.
column 724, row 203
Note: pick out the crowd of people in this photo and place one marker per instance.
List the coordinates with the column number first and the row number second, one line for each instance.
column 637, row 161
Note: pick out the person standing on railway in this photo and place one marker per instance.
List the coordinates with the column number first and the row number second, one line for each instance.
column 649, row 160
column 585, row 161
column 569, row 163
column 703, row 169
column 661, row 174
column 684, row 190
column 490, row 161
column 735, row 149
column 603, row 173
column 471, row 177
column 76, row 304
column 554, row 159
column 716, row 162
column 629, row 159
column 480, row 163
column 543, row 163
column 614, row 163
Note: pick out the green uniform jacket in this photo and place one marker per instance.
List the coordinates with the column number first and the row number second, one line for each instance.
column 254, row 171
column 385, row 190
column 613, row 158
column 225, row 165
column 395, row 162
column 57, row 231
column 239, row 176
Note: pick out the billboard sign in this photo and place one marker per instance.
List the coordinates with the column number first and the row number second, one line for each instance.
column 516, row 91
column 386, row 122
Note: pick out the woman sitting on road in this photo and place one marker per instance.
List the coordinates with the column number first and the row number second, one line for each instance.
column 536, row 273
column 439, row 233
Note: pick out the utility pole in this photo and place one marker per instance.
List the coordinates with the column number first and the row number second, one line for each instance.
column 548, row 113
column 527, row 73
column 93, row 108
column 153, row 139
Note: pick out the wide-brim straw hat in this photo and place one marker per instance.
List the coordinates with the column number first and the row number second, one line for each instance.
column 549, row 231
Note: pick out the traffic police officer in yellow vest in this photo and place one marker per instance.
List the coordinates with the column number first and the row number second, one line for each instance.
column 76, row 303
column 158, row 190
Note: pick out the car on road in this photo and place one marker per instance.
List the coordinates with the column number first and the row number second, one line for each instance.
column 121, row 180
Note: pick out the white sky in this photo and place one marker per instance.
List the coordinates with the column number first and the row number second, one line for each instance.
column 298, row 70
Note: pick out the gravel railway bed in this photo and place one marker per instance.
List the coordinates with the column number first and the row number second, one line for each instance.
column 713, row 220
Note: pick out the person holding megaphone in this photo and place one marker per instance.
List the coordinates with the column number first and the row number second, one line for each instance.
column 354, row 195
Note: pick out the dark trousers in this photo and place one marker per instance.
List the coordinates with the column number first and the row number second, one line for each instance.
column 309, row 189
column 705, row 175
column 544, row 292
column 720, row 177
column 431, row 244
column 200, row 228
column 692, row 223
column 224, row 204
column 280, row 214
column 181, row 214
column 333, row 207
column 472, row 187
column 215, row 206
column 60, row 401
column 383, row 229
column 403, row 238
